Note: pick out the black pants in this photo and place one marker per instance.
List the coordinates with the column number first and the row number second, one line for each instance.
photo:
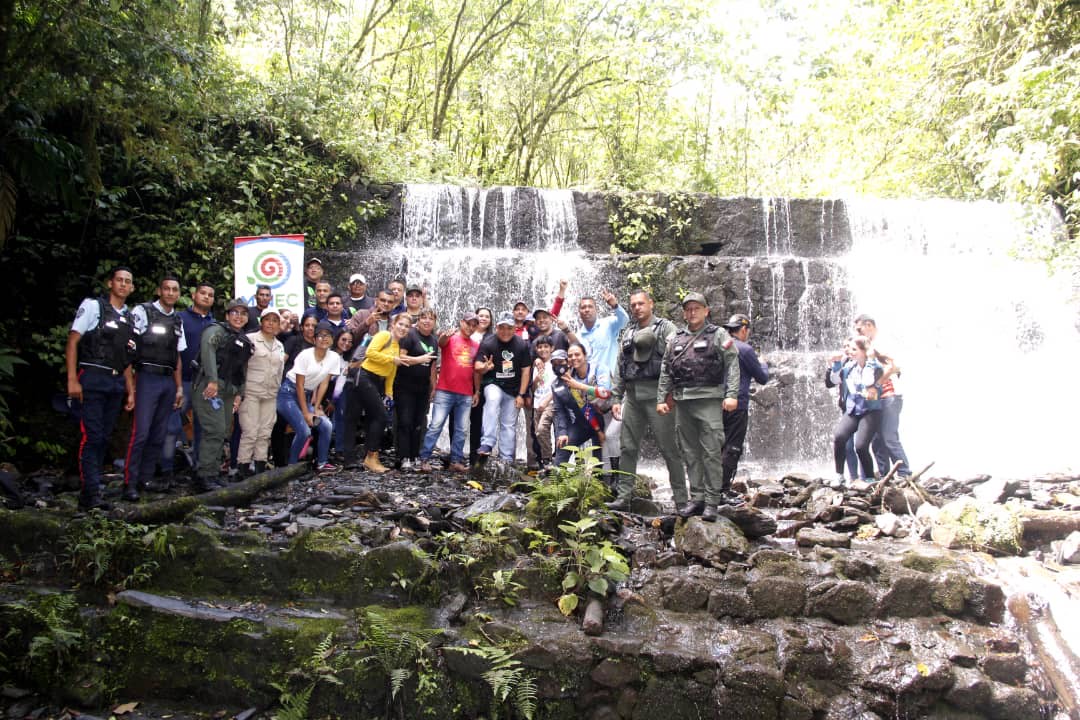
column 365, row 400
column 410, row 420
column 476, row 426
column 864, row 428
column 735, row 423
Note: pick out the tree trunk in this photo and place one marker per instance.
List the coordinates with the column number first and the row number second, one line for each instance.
column 235, row 495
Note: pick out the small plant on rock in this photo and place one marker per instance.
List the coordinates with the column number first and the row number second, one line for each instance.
column 591, row 565
column 101, row 551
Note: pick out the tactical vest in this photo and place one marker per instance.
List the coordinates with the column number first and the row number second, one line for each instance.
column 697, row 362
column 649, row 370
column 157, row 346
column 232, row 356
column 112, row 343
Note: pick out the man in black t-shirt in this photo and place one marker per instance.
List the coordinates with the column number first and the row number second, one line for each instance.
column 504, row 363
column 413, row 388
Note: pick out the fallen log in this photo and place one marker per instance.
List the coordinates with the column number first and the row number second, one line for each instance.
column 235, row 495
column 1048, row 524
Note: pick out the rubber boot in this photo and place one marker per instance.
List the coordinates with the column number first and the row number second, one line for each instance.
column 260, row 466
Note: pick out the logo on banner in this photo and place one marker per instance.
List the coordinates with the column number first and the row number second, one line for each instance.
column 271, row 268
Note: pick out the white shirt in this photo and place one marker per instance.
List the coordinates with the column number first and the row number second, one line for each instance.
column 313, row 371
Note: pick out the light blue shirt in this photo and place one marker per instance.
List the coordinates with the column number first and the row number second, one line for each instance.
column 89, row 315
column 602, row 340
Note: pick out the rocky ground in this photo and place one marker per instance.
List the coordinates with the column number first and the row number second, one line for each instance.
column 940, row 598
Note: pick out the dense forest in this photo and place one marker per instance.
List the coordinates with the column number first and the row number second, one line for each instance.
column 150, row 132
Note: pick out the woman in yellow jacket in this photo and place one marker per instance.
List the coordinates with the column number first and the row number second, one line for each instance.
column 370, row 381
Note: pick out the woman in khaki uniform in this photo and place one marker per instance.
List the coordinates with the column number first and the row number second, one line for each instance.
column 258, row 410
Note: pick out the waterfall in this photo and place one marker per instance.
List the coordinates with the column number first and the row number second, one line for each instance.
column 983, row 336
column 492, row 246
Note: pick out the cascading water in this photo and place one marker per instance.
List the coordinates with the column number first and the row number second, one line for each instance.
column 984, row 338
column 491, row 246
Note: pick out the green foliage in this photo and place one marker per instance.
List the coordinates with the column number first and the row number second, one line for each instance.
column 511, row 686
column 8, row 362
column 300, row 683
column 394, row 651
column 570, row 491
column 591, row 565
column 640, row 222
column 42, row 639
column 104, row 552
column 501, row 587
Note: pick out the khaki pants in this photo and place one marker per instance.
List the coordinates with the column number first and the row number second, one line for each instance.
column 257, row 418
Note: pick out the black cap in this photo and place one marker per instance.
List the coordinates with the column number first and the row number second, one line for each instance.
column 737, row 321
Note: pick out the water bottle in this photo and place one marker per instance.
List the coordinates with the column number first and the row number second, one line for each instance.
column 215, row 402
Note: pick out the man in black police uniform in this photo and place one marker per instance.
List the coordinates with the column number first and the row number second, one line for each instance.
column 159, row 388
column 218, row 388
column 100, row 348
column 700, row 378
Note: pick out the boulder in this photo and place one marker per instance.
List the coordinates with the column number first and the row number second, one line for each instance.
column 613, row 673
column 715, row 542
column 811, row 536
column 1069, row 548
column 842, row 601
column 777, row 596
column 752, row 522
column 967, row 523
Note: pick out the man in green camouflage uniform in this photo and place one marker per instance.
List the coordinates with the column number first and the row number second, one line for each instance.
column 642, row 343
column 699, row 379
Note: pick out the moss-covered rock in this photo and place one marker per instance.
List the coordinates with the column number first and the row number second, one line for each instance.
column 968, row 523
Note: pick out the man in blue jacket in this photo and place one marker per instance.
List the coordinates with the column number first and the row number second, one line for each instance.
column 735, row 421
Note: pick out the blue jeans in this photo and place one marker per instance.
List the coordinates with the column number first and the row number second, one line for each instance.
column 103, row 398
column 154, row 398
column 500, row 418
column 339, row 421
column 445, row 404
column 886, row 445
column 289, row 408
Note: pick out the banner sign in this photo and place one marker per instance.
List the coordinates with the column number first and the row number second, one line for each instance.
column 274, row 260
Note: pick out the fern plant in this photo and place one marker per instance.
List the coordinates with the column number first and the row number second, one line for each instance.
column 394, row 651
column 510, row 684
column 315, row 669
column 45, row 655
column 570, row 492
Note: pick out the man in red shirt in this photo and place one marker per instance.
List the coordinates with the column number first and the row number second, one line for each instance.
column 455, row 392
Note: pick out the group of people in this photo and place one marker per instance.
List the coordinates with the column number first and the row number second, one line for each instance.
column 868, row 431
column 362, row 365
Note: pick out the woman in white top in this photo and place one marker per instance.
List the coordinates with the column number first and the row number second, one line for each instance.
column 300, row 398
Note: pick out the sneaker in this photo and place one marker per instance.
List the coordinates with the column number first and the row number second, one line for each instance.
column 458, row 468
column 326, row 467
column 425, row 467
column 484, row 450
column 406, row 465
